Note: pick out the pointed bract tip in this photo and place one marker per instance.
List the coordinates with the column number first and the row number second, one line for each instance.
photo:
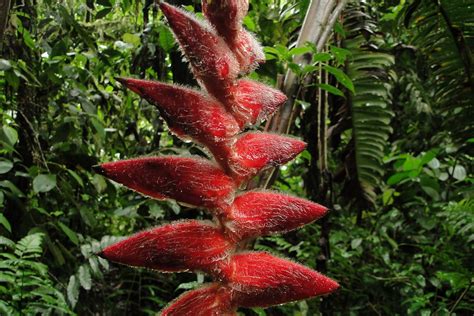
column 165, row 7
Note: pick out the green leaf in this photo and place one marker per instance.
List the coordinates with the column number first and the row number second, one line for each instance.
column 76, row 177
column 12, row 79
column 5, row 166
column 430, row 186
column 4, row 221
column 44, row 183
column 355, row 243
column 429, row 156
column 259, row 311
column 166, row 39
column 341, row 77
column 300, row 50
column 5, row 64
column 10, row 134
column 28, row 40
column 69, row 233
column 4, row 241
column 321, row 57
column 13, row 188
column 131, row 39
column 30, row 244
column 459, row 172
column 398, row 177
column 85, row 278
column 331, row 89
column 249, row 23
column 99, row 183
column 73, row 290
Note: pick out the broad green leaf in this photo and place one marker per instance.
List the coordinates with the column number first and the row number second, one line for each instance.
column 341, row 77
column 459, row 172
column 13, row 188
column 321, row 57
column 165, row 39
column 5, row 223
column 76, row 177
column 44, row 183
column 5, row 166
column 259, row 311
column 85, row 278
column 131, row 39
column 99, row 183
column 331, row 89
column 300, row 50
column 10, row 134
column 5, row 64
column 430, row 186
column 355, row 243
column 69, row 233
column 73, row 290
column 398, row 177
column 249, row 23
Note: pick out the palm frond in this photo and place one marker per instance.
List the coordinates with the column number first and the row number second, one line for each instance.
column 370, row 104
column 444, row 38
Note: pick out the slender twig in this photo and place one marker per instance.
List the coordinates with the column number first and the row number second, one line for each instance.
column 460, row 297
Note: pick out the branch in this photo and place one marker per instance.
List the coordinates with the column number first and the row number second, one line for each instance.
column 332, row 20
column 317, row 22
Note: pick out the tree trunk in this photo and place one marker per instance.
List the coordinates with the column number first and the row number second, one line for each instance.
column 4, row 11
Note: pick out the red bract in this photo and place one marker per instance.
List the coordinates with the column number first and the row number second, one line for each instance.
column 211, row 300
column 257, row 213
column 248, row 51
column 189, row 180
column 189, row 113
column 212, row 62
column 260, row 279
column 254, row 152
column 181, row 246
column 226, row 16
column 248, row 154
column 256, row 101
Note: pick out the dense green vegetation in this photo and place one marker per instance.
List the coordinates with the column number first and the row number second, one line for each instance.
column 387, row 108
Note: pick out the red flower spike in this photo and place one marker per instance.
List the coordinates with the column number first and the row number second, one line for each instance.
column 217, row 57
column 211, row 300
column 188, row 180
column 188, row 112
column 180, row 246
column 257, row 213
column 257, row 100
column 212, row 62
column 226, row 16
column 254, row 152
column 260, row 279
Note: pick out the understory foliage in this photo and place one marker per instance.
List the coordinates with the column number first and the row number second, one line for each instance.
column 397, row 77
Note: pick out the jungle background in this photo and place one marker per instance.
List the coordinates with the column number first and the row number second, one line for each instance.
column 386, row 105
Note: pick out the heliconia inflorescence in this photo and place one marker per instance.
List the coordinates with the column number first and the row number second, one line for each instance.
column 219, row 51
